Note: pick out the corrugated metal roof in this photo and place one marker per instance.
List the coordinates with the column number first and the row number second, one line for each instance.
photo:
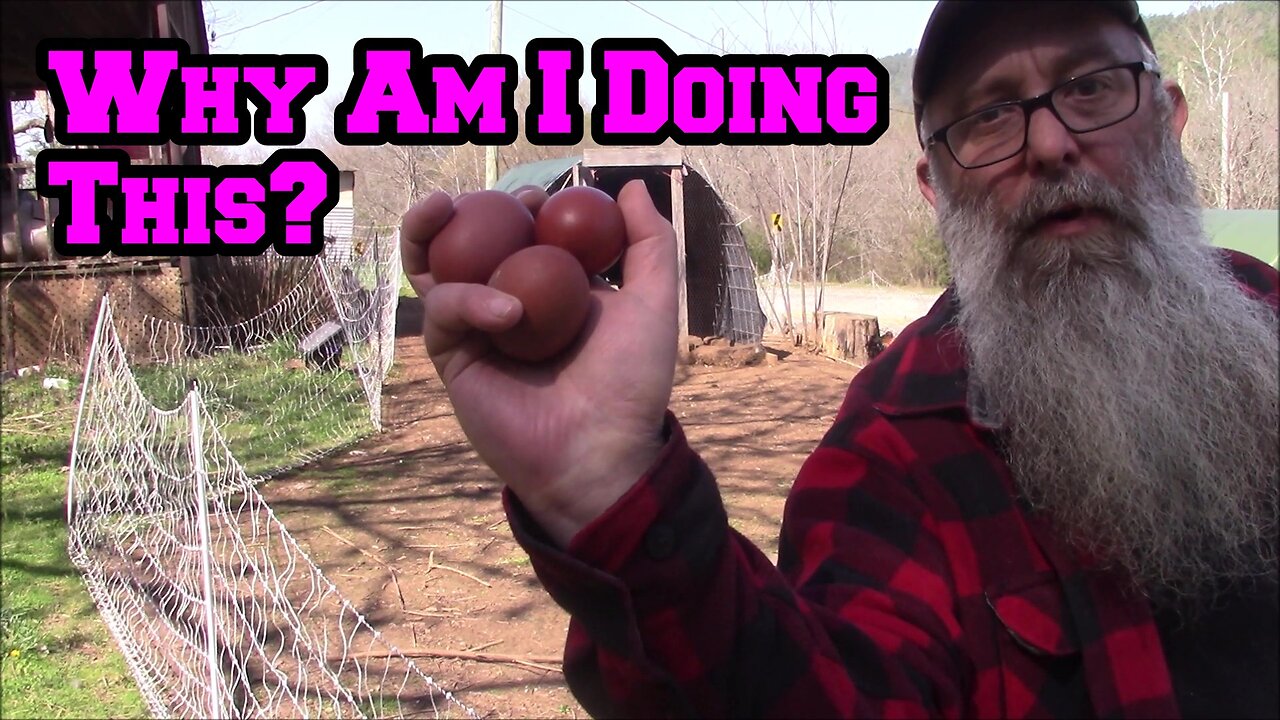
column 1253, row 232
column 541, row 173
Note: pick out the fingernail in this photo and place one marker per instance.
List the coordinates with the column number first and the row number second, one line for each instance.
column 501, row 308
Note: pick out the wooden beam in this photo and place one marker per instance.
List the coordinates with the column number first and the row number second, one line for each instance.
column 677, row 222
column 175, row 155
column 633, row 157
column 90, row 264
column 87, row 272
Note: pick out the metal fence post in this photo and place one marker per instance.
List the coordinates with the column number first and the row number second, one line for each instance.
column 217, row 709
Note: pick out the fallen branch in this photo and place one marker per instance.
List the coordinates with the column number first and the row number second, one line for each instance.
column 361, row 550
column 25, row 418
column 396, row 580
column 421, row 613
column 431, row 564
column 486, row 646
column 40, row 432
column 533, row 661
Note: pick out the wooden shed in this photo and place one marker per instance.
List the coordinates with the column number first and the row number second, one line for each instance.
column 339, row 224
column 717, row 279
column 50, row 303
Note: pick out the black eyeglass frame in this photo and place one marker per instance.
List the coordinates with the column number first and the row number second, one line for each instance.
column 1045, row 100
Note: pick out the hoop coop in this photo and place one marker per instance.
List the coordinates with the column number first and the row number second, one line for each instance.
column 719, row 290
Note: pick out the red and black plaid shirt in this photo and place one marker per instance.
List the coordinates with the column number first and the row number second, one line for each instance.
column 911, row 580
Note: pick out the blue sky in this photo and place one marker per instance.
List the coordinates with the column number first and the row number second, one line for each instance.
column 462, row 27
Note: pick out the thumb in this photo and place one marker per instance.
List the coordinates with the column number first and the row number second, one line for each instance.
column 649, row 268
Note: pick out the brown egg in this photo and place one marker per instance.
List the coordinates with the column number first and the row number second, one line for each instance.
column 419, row 227
column 586, row 222
column 556, row 296
column 487, row 227
column 533, row 196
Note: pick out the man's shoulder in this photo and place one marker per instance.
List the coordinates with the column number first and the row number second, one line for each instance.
column 920, row 375
column 922, row 370
column 1260, row 278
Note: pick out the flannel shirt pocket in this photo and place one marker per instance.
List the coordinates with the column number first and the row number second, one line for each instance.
column 1034, row 612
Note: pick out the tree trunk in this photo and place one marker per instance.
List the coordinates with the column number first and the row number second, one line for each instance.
column 849, row 336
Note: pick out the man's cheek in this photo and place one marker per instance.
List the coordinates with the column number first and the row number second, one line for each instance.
column 1002, row 191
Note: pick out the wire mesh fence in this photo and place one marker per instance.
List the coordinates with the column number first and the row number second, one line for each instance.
column 217, row 609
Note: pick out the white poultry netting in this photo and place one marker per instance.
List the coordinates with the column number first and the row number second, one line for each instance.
column 217, row 609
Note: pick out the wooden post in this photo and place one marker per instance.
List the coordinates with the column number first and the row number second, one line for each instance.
column 495, row 47
column 164, row 29
column 677, row 222
column 173, row 156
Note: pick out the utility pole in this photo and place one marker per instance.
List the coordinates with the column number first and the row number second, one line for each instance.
column 495, row 47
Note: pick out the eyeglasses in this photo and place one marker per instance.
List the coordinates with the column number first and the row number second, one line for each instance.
column 1082, row 104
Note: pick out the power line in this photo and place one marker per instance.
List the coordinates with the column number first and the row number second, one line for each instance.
column 674, row 27
column 270, row 19
column 753, row 17
column 710, row 45
column 530, row 17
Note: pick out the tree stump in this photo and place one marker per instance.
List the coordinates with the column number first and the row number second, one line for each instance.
column 848, row 336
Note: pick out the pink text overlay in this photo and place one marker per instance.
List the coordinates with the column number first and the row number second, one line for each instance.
column 107, row 204
column 153, row 92
column 648, row 95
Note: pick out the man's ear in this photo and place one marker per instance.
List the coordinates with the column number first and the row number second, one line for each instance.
column 926, row 182
column 1178, row 118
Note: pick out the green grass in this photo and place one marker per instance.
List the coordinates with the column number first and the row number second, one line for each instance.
column 275, row 415
column 406, row 290
column 58, row 660
column 517, row 559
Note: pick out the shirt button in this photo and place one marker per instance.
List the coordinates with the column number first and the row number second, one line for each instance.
column 660, row 542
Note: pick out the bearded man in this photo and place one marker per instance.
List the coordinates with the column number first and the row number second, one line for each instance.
column 1055, row 495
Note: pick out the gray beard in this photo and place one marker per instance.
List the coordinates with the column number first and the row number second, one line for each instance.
column 1136, row 385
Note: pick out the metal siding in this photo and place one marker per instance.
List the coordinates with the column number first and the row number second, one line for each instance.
column 339, row 226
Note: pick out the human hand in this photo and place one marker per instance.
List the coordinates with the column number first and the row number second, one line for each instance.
column 572, row 435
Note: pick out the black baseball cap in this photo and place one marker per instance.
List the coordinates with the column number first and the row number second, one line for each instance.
column 953, row 16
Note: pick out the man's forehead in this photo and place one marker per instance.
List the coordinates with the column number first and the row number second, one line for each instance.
column 1056, row 38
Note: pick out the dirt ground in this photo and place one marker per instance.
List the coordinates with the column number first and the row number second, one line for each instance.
column 417, row 499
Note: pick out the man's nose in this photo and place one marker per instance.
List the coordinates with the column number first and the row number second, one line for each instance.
column 1050, row 145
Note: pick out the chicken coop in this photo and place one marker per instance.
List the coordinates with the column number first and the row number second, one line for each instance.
column 717, row 288
column 50, row 303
